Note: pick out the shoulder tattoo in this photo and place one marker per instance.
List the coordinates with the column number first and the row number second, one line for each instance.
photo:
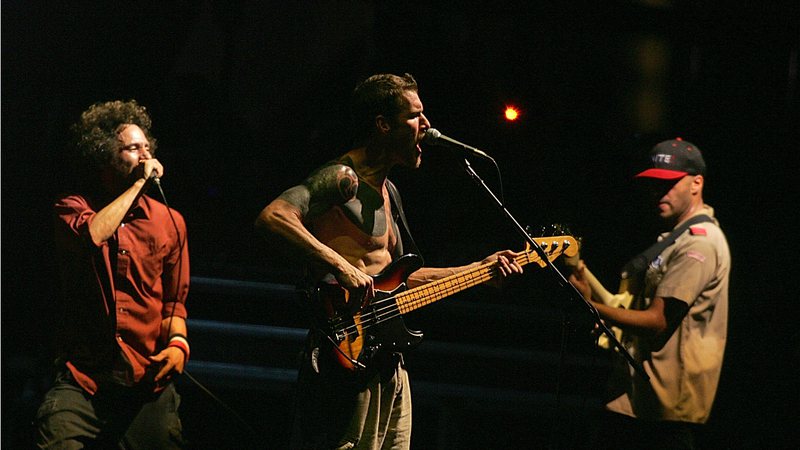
column 336, row 184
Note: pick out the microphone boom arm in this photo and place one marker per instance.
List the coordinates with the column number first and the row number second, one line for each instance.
column 562, row 280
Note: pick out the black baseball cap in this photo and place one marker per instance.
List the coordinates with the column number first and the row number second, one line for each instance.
column 673, row 159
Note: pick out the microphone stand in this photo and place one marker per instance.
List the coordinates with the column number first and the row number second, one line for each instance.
column 575, row 294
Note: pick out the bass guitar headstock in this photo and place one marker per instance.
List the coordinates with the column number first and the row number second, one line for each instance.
column 553, row 245
column 572, row 255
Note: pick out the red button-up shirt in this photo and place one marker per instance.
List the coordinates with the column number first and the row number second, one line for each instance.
column 117, row 293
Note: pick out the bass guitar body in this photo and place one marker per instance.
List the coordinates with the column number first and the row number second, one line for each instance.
column 359, row 330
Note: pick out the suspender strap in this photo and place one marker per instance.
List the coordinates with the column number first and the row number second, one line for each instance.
column 397, row 202
column 640, row 262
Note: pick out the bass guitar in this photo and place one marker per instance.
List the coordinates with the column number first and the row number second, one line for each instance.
column 378, row 324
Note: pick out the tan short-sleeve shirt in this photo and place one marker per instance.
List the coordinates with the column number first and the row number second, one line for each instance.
column 685, row 372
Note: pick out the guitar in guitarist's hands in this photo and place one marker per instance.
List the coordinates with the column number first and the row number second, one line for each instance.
column 591, row 289
column 360, row 288
column 578, row 279
column 377, row 324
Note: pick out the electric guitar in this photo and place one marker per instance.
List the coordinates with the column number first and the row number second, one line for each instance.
column 378, row 324
column 621, row 300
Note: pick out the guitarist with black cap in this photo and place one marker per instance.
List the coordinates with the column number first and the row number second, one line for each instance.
column 676, row 325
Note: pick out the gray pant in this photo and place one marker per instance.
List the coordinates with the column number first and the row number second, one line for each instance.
column 118, row 417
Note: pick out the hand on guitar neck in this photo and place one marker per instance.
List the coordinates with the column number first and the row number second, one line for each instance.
column 591, row 289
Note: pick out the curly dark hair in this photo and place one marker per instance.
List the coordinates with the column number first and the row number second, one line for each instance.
column 96, row 133
column 380, row 94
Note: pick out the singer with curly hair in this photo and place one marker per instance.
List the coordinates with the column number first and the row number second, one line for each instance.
column 124, row 267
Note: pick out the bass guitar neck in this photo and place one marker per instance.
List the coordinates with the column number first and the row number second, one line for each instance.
column 359, row 331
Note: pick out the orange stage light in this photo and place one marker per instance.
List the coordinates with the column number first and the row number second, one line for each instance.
column 511, row 113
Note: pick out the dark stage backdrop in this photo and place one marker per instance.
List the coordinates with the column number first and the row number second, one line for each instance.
column 247, row 97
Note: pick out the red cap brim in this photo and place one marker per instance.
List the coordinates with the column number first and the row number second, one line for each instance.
column 662, row 174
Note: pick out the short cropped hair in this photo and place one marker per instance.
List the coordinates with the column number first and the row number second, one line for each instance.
column 378, row 95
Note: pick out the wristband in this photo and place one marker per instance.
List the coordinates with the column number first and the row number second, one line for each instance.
column 179, row 341
column 178, row 335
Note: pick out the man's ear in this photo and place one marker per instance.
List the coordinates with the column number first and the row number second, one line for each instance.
column 697, row 184
column 382, row 125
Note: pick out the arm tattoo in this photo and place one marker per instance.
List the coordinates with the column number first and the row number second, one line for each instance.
column 331, row 185
column 335, row 184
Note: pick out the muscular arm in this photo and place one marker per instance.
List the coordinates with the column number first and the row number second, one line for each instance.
column 506, row 264
column 284, row 217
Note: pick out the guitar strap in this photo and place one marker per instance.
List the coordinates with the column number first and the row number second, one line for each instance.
column 640, row 262
column 397, row 202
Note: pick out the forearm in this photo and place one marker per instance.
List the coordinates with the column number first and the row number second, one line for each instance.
column 503, row 264
column 280, row 218
column 171, row 326
column 650, row 321
column 108, row 219
column 427, row 275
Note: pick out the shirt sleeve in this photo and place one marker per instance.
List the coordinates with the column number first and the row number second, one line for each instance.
column 176, row 271
column 73, row 217
column 690, row 269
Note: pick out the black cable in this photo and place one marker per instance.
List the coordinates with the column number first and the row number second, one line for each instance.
column 181, row 243
column 499, row 182
column 224, row 405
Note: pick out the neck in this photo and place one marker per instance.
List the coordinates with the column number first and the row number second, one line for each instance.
column 693, row 209
column 371, row 163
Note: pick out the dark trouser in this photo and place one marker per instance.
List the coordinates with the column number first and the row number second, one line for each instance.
column 118, row 417
column 618, row 431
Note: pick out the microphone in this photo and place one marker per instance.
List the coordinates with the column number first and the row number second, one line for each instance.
column 155, row 179
column 434, row 137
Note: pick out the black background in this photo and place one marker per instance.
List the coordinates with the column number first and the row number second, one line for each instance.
column 247, row 97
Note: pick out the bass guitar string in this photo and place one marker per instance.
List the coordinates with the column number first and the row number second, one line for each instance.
column 374, row 317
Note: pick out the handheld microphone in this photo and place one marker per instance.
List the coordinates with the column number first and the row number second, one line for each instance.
column 434, row 137
column 155, row 179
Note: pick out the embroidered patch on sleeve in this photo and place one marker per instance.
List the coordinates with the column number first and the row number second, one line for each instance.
column 696, row 255
column 697, row 231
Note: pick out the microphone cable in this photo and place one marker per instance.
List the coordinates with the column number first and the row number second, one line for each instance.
column 215, row 398
column 500, row 183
